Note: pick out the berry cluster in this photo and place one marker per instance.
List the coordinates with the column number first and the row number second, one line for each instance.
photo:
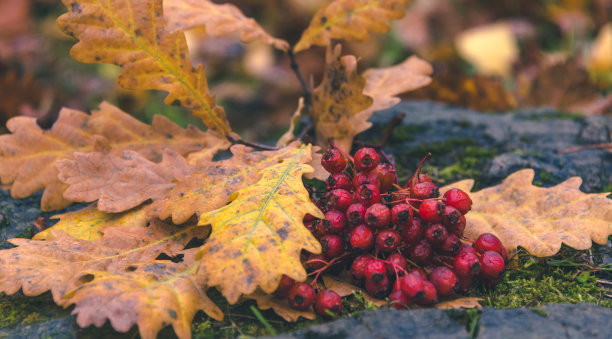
column 401, row 243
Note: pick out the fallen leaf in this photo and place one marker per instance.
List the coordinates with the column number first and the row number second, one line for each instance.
column 28, row 155
column 259, row 236
column 281, row 307
column 350, row 20
column 319, row 172
column 288, row 136
column 219, row 20
column 600, row 57
column 535, row 218
column 344, row 289
column 467, row 302
column 132, row 34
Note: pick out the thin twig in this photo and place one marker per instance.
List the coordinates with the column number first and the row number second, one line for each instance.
column 585, row 147
column 397, row 119
column 296, row 69
column 238, row 141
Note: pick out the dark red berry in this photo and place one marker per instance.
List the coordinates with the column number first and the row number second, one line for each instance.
column 366, row 159
column 424, row 190
column 375, row 270
column 332, row 245
column 338, row 199
column 301, row 296
column 396, row 264
column 412, row 286
column 362, row 178
column 467, row 248
column 386, row 174
column 444, row 279
column 401, row 214
column 336, row 221
column 412, row 232
column 378, row 289
column 285, row 285
column 436, row 234
column 339, row 181
column 451, row 245
column 431, row 210
column 358, row 267
column 333, row 161
column 413, row 180
column 465, row 283
column 466, row 264
column 491, row 265
column 451, row 216
column 321, row 228
column 430, row 296
column 398, row 300
column 378, row 216
column 458, row 228
column 419, row 272
column 356, row 214
column 316, row 261
column 489, row 242
column 387, row 240
column 367, row 195
column 361, row 238
column 326, row 302
column 421, row 253
column 458, row 199
column 308, row 218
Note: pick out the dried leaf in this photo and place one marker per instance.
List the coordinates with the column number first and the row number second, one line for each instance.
column 288, row 137
column 467, row 302
column 89, row 223
column 258, row 237
column 132, row 34
column 538, row 219
column 344, row 288
column 28, row 155
column 319, row 172
column 600, row 57
column 350, row 20
column 151, row 295
column 281, row 307
column 338, row 99
column 219, row 19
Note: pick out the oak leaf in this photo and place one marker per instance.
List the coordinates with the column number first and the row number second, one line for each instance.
column 133, row 34
column 350, row 20
column 259, row 236
column 28, row 155
column 219, row 20
column 535, row 218
column 151, row 295
column 281, row 307
column 343, row 288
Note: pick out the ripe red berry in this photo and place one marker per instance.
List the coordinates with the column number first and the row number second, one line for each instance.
column 332, row 245
column 378, row 289
column 421, row 253
column 401, row 214
column 333, row 161
column 466, row 264
column 413, row 180
column 431, row 210
column 430, row 296
column 366, row 159
column 387, row 240
column 336, row 221
column 356, row 214
column 396, row 264
column 451, row 216
column 315, row 261
column 489, row 242
column 444, row 279
column 459, row 227
column 491, row 265
column 338, row 199
column 398, row 300
column 436, row 234
column 419, row 272
column 467, row 248
column 362, row 178
column 412, row 232
column 339, row 181
column 375, row 270
column 378, row 216
column 386, row 173
column 326, row 302
column 451, row 245
column 367, row 195
column 424, row 190
column 458, row 199
column 358, row 267
column 361, row 238
column 412, row 286
column 285, row 285
column 301, row 296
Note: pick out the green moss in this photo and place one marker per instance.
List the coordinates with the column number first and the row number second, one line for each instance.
column 18, row 309
column 404, row 133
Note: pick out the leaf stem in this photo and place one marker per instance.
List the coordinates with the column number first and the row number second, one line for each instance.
column 239, row 141
column 296, row 69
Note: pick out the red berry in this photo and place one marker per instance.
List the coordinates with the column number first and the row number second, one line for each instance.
column 459, row 227
column 451, row 245
column 458, row 199
column 424, row 190
column 386, row 174
column 436, row 234
column 413, row 180
column 362, row 178
column 321, row 228
column 412, row 286
column 491, row 265
column 466, row 264
column 431, row 296
column 431, row 210
column 444, row 279
column 356, row 214
column 366, row 159
column 333, row 161
column 339, row 199
column 332, row 245
column 451, row 216
column 467, row 248
column 336, row 221
column 326, row 302
column 412, row 233
column 285, row 285
column 464, row 283
column 387, row 240
column 361, row 238
column 401, row 214
column 316, row 261
column 375, row 270
column 301, row 296
column 378, row 289
column 421, row 253
column 489, row 242
column 339, row 181
column 308, row 218
column 378, row 216
column 358, row 267
column 367, row 195
column 398, row 300
column 419, row 272
column 396, row 264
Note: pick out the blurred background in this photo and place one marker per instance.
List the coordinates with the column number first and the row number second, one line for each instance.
column 491, row 56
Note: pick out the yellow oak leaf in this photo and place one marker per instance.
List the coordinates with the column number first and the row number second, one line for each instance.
column 535, row 218
column 29, row 154
column 133, row 34
column 259, row 236
column 219, row 20
column 266, row 301
column 350, row 20
column 89, row 223
column 151, row 295
column 338, row 99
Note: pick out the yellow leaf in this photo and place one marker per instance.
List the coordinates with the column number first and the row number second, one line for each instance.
column 28, row 155
column 600, row 56
column 338, row 99
column 259, row 236
column 491, row 48
column 535, row 218
column 132, row 34
column 281, row 307
column 219, row 20
column 467, row 302
column 350, row 20
column 89, row 223
column 151, row 295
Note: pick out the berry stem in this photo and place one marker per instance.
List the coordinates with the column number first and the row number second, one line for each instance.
column 348, row 156
column 295, row 67
column 418, row 170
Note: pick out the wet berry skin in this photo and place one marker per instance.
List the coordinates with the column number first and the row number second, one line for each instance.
column 333, row 161
column 326, row 302
column 301, row 296
column 366, row 159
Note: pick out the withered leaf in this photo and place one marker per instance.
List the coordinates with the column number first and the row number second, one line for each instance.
column 28, row 155
column 466, row 302
column 350, row 20
column 281, row 307
column 535, row 218
column 132, row 34
column 258, row 237
column 219, row 20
